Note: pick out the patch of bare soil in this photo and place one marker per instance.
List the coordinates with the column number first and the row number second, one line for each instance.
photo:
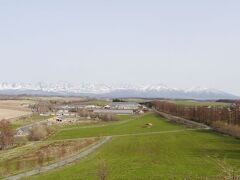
column 10, row 114
column 10, row 109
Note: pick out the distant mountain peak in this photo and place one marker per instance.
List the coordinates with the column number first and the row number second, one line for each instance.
column 107, row 90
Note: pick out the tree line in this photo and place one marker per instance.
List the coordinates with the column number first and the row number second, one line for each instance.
column 100, row 116
column 203, row 114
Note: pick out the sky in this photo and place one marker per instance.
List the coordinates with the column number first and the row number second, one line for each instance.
column 182, row 44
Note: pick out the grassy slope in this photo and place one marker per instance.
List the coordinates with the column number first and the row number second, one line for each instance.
column 161, row 156
column 25, row 158
column 18, row 151
column 133, row 126
column 29, row 120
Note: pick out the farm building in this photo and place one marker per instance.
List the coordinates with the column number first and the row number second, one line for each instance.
column 62, row 113
column 23, row 131
column 107, row 107
column 125, row 105
column 113, row 111
column 78, row 106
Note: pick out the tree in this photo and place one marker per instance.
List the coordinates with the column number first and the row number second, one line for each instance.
column 42, row 107
column 63, row 151
column 102, row 170
column 40, row 160
column 6, row 134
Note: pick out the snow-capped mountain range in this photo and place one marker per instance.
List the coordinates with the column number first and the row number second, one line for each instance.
column 104, row 90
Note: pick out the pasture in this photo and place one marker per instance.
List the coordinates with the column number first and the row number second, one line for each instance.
column 165, row 151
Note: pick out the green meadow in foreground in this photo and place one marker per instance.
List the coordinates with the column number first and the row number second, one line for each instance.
column 170, row 155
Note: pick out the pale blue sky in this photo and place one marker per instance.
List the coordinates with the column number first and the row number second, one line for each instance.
column 181, row 43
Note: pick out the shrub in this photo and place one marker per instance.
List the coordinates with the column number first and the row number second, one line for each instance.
column 83, row 113
column 102, row 170
column 108, row 117
column 233, row 130
column 20, row 140
column 39, row 132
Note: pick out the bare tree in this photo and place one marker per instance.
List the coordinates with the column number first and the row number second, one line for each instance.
column 102, row 170
column 63, row 151
column 7, row 166
column 108, row 117
column 6, row 134
column 40, row 160
column 42, row 107
column 18, row 165
column 48, row 155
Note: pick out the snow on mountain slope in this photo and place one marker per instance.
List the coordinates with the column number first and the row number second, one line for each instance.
column 103, row 90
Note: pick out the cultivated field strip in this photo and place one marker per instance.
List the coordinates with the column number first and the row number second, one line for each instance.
column 61, row 163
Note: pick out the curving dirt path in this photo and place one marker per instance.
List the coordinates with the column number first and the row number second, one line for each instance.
column 64, row 162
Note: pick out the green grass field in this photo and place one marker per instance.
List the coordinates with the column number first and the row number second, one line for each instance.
column 99, row 102
column 170, row 155
column 130, row 127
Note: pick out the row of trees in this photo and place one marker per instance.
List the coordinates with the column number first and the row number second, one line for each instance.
column 101, row 116
column 42, row 107
column 202, row 114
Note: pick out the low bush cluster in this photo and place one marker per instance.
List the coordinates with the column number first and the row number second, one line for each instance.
column 39, row 132
column 233, row 130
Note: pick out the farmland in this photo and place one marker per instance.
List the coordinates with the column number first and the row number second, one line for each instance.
column 42, row 153
column 10, row 109
column 10, row 114
column 175, row 152
column 163, row 150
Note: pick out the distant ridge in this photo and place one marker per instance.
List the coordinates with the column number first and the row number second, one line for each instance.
column 112, row 91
